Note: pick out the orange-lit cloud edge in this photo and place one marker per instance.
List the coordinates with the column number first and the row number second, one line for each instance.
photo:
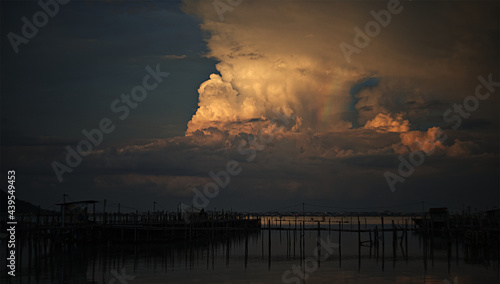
column 283, row 57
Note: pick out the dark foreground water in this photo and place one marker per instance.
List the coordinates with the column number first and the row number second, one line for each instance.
column 246, row 259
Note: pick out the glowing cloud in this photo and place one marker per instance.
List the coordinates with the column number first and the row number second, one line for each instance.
column 283, row 57
column 386, row 123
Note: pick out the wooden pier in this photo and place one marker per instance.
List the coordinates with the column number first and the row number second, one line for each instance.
column 132, row 227
column 385, row 242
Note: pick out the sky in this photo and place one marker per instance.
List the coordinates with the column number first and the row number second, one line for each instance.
column 252, row 105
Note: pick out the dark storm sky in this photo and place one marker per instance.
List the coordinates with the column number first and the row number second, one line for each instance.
column 227, row 80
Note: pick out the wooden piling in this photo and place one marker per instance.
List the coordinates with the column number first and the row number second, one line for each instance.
column 394, row 241
column 359, row 245
column 406, row 239
column 246, row 248
column 383, row 242
column 340, row 242
column 318, row 244
column 269, row 244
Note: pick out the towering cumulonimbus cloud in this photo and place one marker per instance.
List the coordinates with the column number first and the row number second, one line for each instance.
column 249, row 91
column 273, row 59
column 283, row 57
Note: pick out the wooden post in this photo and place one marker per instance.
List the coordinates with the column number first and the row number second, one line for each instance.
column 406, row 239
column 359, row 232
column 262, row 242
column 359, row 245
column 371, row 242
column 227, row 249
column 340, row 242
column 246, row 247
column 318, row 245
column 383, row 243
column 303, row 236
column 269, row 245
column 294, row 237
column 288, row 242
column 394, row 240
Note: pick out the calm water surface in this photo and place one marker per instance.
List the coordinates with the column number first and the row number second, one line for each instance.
column 246, row 259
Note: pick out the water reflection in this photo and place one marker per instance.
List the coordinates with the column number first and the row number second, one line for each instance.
column 263, row 257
